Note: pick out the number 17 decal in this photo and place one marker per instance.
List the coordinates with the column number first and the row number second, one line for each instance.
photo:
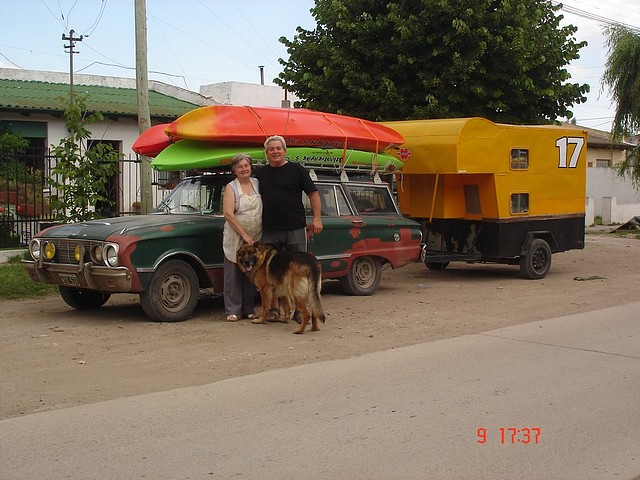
column 563, row 151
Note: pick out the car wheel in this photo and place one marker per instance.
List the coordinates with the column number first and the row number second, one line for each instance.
column 437, row 266
column 83, row 299
column 172, row 294
column 537, row 261
column 363, row 277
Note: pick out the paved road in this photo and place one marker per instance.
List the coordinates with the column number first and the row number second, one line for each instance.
column 439, row 410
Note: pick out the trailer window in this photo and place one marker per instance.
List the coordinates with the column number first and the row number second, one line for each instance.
column 519, row 159
column 472, row 199
column 519, row 203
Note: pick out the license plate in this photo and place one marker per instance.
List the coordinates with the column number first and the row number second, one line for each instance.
column 69, row 279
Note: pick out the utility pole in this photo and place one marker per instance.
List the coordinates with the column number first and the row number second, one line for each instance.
column 72, row 44
column 142, row 87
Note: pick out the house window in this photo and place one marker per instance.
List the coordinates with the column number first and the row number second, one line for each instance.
column 519, row 159
column 519, row 203
column 602, row 163
column 35, row 133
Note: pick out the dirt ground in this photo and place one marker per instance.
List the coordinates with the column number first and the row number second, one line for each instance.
column 53, row 356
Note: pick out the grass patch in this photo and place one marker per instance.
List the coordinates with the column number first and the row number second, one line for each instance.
column 17, row 284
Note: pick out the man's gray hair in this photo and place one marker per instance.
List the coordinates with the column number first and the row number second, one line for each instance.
column 274, row 138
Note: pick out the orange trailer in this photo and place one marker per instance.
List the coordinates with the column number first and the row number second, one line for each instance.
column 487, row 192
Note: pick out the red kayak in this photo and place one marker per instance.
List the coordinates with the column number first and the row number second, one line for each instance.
column 152, row 141
column 299, row 127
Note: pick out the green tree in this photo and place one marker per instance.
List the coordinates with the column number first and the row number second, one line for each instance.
column 622, row 76
column 81, row 175
column 390, row 60
column 11, row 144
column 11, row 170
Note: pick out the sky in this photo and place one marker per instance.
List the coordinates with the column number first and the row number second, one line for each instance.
column 198, row 42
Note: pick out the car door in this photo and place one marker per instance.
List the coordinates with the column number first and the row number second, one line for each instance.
column 333, row 246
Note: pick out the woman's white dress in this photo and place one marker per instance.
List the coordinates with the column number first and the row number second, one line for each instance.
column 249, row 214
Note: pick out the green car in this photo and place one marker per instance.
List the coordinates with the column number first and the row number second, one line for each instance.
column 169, row 256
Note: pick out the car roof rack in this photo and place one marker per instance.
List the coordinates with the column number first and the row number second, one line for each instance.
column 329, row 166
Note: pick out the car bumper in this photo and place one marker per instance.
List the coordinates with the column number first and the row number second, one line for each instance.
column 87, row 275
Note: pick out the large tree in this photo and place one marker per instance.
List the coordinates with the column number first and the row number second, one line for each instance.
column 389, row 60
column 622, row 76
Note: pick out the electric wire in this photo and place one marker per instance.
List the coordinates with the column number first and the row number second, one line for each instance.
column 96, row 22
column 593, row 16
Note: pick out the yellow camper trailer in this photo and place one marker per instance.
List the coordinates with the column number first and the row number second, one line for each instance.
column 487, row 192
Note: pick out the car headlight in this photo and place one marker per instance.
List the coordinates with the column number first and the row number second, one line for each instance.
column 34, row 248
column 96, row 254
column 111, row 255
column 49, row 250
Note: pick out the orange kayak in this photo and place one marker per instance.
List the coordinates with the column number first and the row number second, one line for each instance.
column 152, row 141
column 299, row 127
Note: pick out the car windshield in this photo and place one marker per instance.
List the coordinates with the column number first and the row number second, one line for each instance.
column 199, row 195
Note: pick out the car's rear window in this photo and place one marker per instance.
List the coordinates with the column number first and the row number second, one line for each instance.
column 369, row 199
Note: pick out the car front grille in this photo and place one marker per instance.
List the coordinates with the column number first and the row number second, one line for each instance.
column 65, row 250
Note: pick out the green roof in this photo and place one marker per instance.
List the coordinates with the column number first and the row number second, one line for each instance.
column 44, row 97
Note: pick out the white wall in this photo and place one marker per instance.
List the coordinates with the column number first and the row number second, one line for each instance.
column 236, row 93
column 615, row 199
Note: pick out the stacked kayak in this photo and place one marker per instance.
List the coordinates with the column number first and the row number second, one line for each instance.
column 210, row 136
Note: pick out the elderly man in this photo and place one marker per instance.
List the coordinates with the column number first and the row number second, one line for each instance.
column 283, row 215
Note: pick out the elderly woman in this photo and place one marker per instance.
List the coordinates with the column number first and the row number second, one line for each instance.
column 242, row 208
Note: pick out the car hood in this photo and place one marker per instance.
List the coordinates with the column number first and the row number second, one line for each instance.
column 102, row 229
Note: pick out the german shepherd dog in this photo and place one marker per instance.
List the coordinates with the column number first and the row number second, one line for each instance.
column 293, row 277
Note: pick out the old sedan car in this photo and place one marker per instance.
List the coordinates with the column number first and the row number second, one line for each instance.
column 169, row 256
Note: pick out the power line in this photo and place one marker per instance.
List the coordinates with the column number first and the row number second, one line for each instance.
column 187, row 34
column 173, row 53
column 241, row 37
column 104, row 56
column 54, row 15
column 96, row 22
column 257, row 32
column 594, row 16
column 155, row 72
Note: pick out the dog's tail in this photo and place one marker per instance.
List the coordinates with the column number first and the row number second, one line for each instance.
column 316, row 304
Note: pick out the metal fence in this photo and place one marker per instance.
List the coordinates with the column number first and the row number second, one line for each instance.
column 26, row 190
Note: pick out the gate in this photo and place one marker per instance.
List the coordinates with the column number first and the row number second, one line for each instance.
column 26, row 190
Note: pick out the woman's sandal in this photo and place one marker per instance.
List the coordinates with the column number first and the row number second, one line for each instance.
column 251, row 316
column 232, row 317
column 273, row 315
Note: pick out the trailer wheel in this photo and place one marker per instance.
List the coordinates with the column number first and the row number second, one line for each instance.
column 172, row 294
column 537, row 261
column 363, row 277
column 437, row 266
column 83, row 299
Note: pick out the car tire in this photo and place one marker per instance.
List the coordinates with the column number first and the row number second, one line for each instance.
column 83, row 299
column 363, row 277
column 536, row 262
column 172, row 294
